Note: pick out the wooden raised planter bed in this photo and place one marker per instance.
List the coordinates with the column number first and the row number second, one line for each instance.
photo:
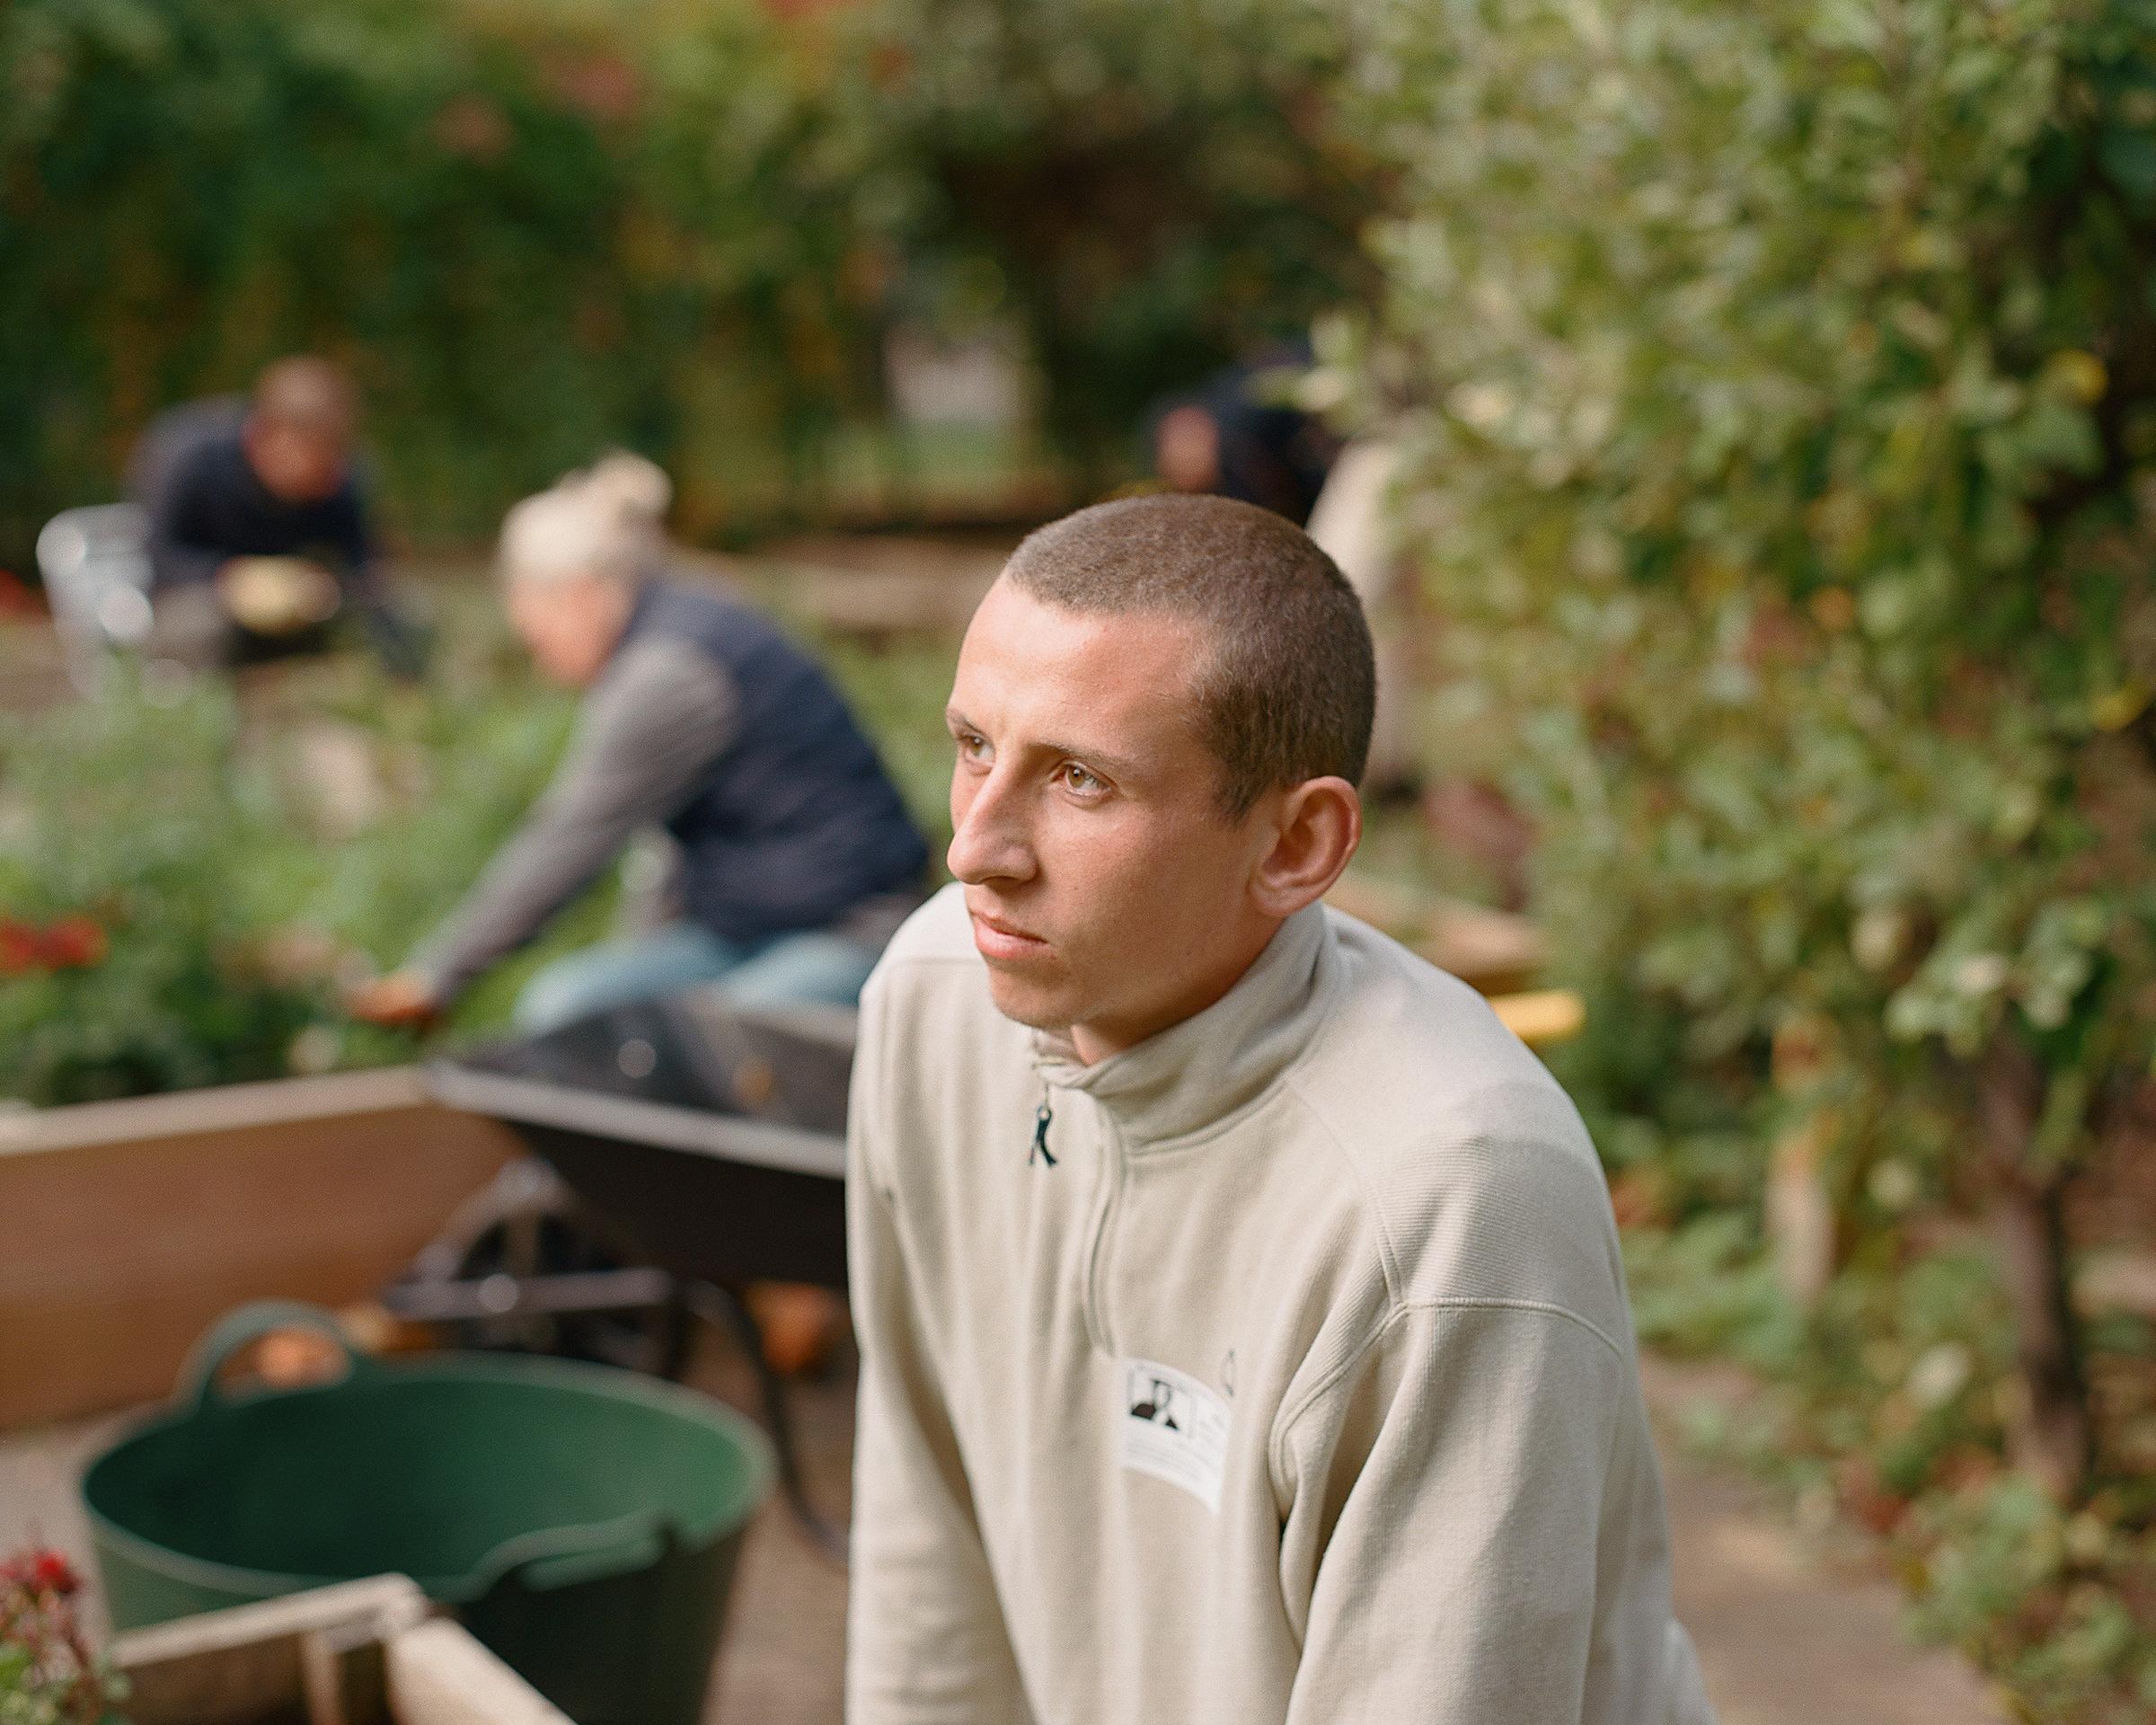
column 361, row 1653
column 132, row 1225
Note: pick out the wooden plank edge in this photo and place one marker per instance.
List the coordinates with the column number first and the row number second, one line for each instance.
column 439, row 1676
column 222, row 1108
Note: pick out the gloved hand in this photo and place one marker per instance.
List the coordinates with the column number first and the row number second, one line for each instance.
column 403, row 1000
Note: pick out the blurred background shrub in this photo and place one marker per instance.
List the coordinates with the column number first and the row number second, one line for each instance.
column 528, row 231
column 1147, row 192
column 534, row 230
column 190, row 878
column 1779, row 389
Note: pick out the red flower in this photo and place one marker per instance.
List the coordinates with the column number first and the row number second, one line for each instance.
column 49, row 1572
column 41, row 1570
column 21, row 948
column 74, row 942
column 70, row 943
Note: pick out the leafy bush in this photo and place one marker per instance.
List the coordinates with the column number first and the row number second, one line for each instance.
column 231, row 876
column 1149, row 192
column 532, row 232
column 164, row 1008
column 536, row 230
column 1779, row 394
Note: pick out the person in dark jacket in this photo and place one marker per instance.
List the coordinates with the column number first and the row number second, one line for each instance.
column 795, row 858
column 1233, row 437
column 259, row 528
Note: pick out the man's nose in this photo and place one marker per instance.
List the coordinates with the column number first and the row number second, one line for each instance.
column 988, row 840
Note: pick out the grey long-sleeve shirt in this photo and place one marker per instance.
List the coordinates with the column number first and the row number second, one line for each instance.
column 648, row 734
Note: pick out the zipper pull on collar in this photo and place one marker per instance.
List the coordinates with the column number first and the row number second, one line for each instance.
column 1040, row 1151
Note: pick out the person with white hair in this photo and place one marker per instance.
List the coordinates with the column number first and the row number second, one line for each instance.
column 795, row 858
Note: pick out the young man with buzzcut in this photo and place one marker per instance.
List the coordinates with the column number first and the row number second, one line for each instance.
column 1243, row 1335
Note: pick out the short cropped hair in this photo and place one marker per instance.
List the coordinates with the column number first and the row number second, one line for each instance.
column 1289, row 689
column 308, row 394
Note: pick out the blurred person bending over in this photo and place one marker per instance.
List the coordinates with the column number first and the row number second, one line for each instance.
column 795, row 858
column 1244, row 1332
column 259, row 527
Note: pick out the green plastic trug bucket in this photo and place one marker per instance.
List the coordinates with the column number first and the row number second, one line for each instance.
column 584, row 1522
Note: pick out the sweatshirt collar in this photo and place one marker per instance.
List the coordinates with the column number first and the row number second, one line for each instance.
column 1195, row 1074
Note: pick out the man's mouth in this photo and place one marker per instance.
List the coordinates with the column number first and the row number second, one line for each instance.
column 996, row 939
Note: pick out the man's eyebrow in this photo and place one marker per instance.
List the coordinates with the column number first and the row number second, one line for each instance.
column 1116, row 767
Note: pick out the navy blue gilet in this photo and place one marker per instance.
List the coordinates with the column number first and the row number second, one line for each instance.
column 798, row 822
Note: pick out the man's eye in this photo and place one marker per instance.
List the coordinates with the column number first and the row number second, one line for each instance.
column 1076, row 778
column 973, row 747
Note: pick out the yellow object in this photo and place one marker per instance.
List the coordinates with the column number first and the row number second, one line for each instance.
column 277, row 595
column 2078, row 374
column 1543, row 1017
column 2119, row 708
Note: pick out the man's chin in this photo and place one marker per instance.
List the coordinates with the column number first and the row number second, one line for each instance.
column 1025, row 1002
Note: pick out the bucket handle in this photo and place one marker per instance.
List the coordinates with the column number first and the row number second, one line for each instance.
column 561, row 1557
column 197, row 1386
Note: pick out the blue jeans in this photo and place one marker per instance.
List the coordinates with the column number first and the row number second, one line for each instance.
column 809, row 968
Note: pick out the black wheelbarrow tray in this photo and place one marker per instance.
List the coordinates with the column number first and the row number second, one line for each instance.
column 708, row 1144
column 711, row 1141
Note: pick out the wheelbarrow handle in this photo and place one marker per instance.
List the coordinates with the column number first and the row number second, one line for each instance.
column 237, row 1328
column 561, row 1557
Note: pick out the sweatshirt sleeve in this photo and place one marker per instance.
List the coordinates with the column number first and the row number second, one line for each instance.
column 926, row 1639
column 648, row 736
column 1446, row 1490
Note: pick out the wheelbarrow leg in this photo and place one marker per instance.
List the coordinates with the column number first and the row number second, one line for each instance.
column 723, row 1305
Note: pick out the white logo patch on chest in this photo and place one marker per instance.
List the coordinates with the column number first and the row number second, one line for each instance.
column 1175, row 1427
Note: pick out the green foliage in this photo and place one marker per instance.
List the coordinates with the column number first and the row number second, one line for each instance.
column 115, row 812
column 1778, row 388
column 1762, row 443
column 530, row 235
column 2044, row 1593
column 533, row 231
column 1150, row 192
column 234, row 893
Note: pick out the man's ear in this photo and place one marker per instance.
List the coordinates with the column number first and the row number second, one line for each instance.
column 1319, row 824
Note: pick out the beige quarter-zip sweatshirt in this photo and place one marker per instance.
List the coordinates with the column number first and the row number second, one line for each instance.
column 1276, row 1369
